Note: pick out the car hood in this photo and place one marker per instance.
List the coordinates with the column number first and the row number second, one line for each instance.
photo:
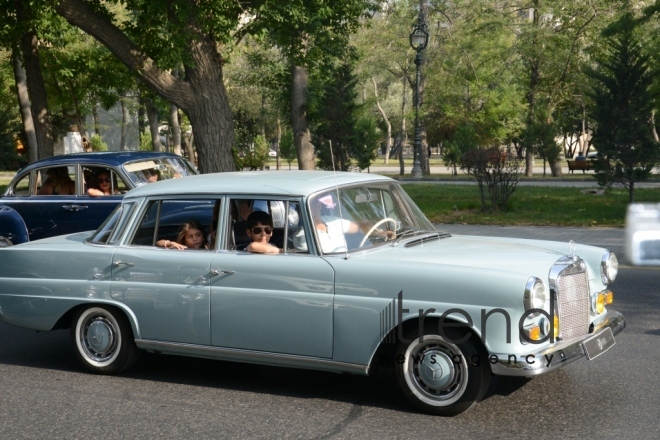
column 528, row 256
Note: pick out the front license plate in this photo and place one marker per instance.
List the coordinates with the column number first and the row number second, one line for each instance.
column 598, row 343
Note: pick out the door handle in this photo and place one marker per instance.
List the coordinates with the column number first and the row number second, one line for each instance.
column 121, row 263
column 74, row 208
column 215, row 272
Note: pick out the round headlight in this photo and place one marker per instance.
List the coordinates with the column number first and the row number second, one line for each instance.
column 535, row 296
column 609, row 267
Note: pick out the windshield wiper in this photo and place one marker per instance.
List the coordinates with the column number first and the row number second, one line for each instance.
column 411, row 232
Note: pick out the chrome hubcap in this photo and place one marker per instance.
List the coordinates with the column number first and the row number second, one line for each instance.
column 436, row 370
column 99, row 339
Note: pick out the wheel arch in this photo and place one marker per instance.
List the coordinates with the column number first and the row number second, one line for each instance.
column 13, row 225
column 65, row 320
column 386, row 349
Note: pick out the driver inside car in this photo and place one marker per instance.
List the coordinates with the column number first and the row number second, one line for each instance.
column 330, row 229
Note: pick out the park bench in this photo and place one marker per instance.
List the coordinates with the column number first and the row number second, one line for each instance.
column 584, row 165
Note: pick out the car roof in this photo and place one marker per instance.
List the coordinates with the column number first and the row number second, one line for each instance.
column 111, row 158
column 267, row 183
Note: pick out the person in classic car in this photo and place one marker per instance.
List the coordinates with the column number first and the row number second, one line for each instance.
column 260, row 229
column 58, row 183
column 105, row 185
column 331, row 229
column 191, row 236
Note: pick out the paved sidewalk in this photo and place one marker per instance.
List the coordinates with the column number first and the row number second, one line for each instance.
column 610, row 238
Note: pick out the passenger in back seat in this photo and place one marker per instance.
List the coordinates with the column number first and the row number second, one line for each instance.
column 191, row 236
column 260, row 229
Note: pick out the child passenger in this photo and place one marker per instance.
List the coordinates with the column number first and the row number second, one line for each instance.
column 192, row 236
column 260, row 229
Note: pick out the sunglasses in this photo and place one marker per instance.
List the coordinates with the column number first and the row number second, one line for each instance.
column 267, row 230
column 106, row 180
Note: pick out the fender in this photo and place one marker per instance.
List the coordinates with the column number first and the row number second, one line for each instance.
column 12, row 226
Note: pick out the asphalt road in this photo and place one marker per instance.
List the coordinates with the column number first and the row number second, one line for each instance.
column 44, row 393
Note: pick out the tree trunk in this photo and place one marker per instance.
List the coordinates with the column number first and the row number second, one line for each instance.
column 124, row 123
column 555, row 168
column 424, row 155
column 301, row 135
column 176, row 129
column 24, row 104
column 404, row 135
column 201, row 93
column 95, row 116
column 152, row 115
column 279, row 139
column 190, row 150
column 175, row 126
column 35, row 84
column 142, row 128
column 531, row 95
column 388, row 139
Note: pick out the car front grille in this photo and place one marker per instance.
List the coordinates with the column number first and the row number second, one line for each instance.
column 573, row 303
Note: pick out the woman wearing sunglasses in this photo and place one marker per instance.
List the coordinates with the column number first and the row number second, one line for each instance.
column 260, row 229
column 105, row 185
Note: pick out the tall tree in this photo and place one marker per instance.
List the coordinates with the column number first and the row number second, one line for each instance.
column 309, row 35
column 25, row 23
column 24, row 104
column 163, row 33
column 623, row 103
column 335, row 119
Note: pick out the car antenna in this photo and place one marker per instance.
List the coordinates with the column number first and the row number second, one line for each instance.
column 334, row 172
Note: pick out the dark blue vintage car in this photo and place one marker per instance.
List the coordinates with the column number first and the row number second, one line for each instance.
column 50, row 197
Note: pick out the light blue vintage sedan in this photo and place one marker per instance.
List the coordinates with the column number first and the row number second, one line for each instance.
column 362, row 279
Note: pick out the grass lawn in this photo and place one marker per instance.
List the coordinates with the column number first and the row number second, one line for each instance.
column 530, row 205
column 547, row 206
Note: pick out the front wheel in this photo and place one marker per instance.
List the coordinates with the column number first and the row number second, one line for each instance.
column 440, row 376
column 103, row 340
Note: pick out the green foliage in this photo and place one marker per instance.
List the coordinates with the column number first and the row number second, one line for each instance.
column 10, row 123
column 623, row 99
column 496, row 174
column 365, row 142
column 145, row 142
column 287, row 147
column 335, row 119
column 540, row 136
column 98, row 145
column 253, row 159
column 451, row 156
column 261, row 147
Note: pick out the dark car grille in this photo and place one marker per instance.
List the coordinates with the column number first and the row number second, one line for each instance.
column 573, row 304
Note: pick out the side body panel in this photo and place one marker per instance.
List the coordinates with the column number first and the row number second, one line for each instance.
column 167, row 290
column 273, row 303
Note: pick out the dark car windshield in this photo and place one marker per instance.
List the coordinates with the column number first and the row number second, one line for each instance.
column 152, row 170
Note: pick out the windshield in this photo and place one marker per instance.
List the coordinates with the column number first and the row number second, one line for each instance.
column 364, row 216
column 153, row 170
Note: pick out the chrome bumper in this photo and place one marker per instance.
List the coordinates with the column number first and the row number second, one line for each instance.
column 560, row 354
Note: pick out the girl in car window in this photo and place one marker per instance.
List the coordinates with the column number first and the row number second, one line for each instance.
column 191, row 236
column 105, row 186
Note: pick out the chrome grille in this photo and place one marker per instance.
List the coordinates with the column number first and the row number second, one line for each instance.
column 573, row 304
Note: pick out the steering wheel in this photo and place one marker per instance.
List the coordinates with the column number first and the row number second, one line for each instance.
column 374, row 227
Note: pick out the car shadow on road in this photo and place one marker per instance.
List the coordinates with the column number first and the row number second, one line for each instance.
column 53, row 351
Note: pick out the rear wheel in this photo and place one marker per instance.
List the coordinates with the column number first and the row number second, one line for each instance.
column 103, row 340
column 440, row 376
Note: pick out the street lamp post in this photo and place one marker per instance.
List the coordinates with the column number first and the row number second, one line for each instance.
column 418, row 40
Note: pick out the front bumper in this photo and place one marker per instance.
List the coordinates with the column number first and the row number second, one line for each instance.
column 560, row 354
